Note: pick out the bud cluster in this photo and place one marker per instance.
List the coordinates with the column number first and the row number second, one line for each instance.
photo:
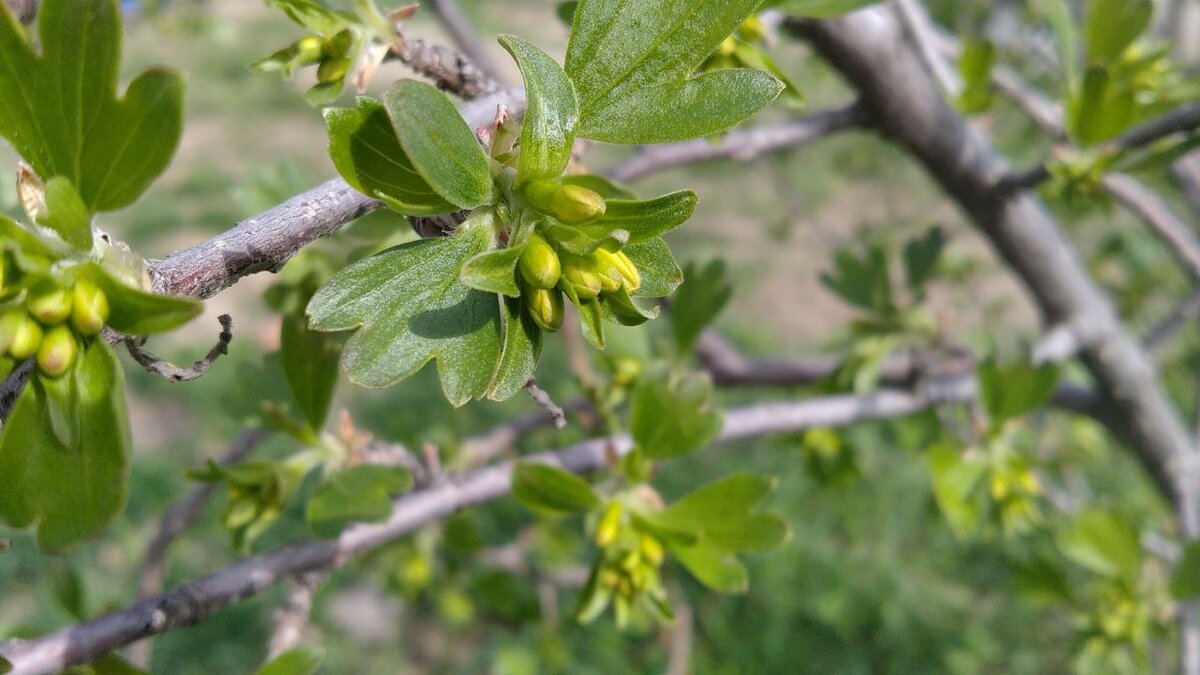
column 49, row 324
column 546, row 271
column 628, row 570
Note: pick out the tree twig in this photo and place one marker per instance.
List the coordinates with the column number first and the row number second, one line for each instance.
column 460, row 29
column 174, row 373
column 292, row 616
column 552, row 410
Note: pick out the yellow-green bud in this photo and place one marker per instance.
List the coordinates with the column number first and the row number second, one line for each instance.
column 728, row 46
column 50, row 307
column 10, row 324
column 539, row 264
column 752, row 29
column 308, row 50
column 610, row 278
column 652, row 549
column 89, row 308
column 609, row 525
column 569, row 203
column 624, row 266
column 545, row 306
column 26, row 339
column 58, row 351
column 333, row 70
column 579, row 275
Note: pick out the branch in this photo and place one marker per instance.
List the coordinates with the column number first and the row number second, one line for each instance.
column 451, row 16
column 292, row 616
column 170, row 371
column 450, row 70
column 740, row 145
column 1179, row 238
column 191, row 602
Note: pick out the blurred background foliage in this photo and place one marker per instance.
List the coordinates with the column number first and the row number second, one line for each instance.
column 873, row 580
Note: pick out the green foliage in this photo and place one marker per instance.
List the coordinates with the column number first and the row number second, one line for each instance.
column 1105, row 543
column 298, row 661
column 64, row 452
column 975, row 66
column 310, row 362
column 358, row 494
column 551, row 490
column 699, row 301
column 632, row 68
column 551, row 112
column 1185, row 582
column 137, row 312
column 1011, row 390
column 1113, row 25
column 109, row 148
column 672, row 413
column 821, row 9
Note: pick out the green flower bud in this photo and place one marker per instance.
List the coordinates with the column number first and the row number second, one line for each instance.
column 10, row 324
column 610, row 278
column 50, row 307
column 339, row 44
column 89, row 309
column 752, row 29
column 58, row 351
column 545, row 306
column 728, row 46
column 539, row 264
column 609, row 525
column 333, row 70
column 651, row 549
column 624, row 266
column 26, row 339
column 579, row 276
column 569, row 203
column 308, row 50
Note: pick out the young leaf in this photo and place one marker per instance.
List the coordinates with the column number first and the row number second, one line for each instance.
column 72, row 489
column 298, row 661
column 672, row 413
column 975, row 65
column 632, row 64
column 717, row 569
column 137, row 312
column 494, row 271
column 551, row 112
column 551, row 490
column 624, row 310
column 367, row 153
column 1011, row 390
column 921, row 257
column 519, row 357
column 310, row 364
column 410, row 308
column 698, row 301
column 1113, row 25
column 359, row 494
column 722, row 513
column 660, row 275
column 646, row 220
column 1104, row 542
column 863, row 282
column 955, row 482
column 440, row 144
column 61, row 112
column 66, row 214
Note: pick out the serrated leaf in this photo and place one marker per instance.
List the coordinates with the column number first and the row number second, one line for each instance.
column 367, row 153
column 672, row 414
column 66, row 214
column 310, row 364
column 863, row 282
column 519, row 356
column 359, row 494
column 660, row 274
column 442, row 147
column 921, row 256
column 717, row 569
column 705, row 292
column 632, row 65
column 298, row 661
column 409, row 308
column 61, row 112
column 1113, row 25
column 551, row 490
column 72, row 491
column 137, row 312
column 1011, row 390
column 551, row 112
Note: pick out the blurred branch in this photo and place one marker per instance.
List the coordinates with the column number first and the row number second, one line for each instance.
column 741, row 144
column 460, row 29
column 1157, row 338
column 292, row 616
column 1179, row 238
column 191, row 602
column 174, row 373
column 450, row 70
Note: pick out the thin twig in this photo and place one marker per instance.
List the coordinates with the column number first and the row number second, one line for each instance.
column 292, row 616
column 450, row 70
column 547, row 404
column 1159, row 336
column 460, row 29
column 170, row 371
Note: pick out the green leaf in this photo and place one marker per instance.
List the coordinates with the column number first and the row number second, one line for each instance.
column 410, row 308
column 298, row 661
column 310, row 364
column 551, row 490
column 137, row 312
column 660, row 275
column 64, row 452
column 1058, row 14
column 623, row 309
column 717, row 569
column 954, row 487
column 551, row 112
column 1012, row 390
column 60, row 110
column 722, row 513
column 66, row 214
column 632, row 64
column 646, row 220
column 704, row 293
column 1185, row 581
column 1113, row 25
column 822, row 9
column 753, row 56
column 1104, row 542
column 311, row 15
column 591, row 320
column 494, row 271
column 605, row 187
column 921, row 256
column 519, row 357
column 68, row 590
column 359, row 494
column 672, row 413
column 440, row 144
column 975, row 65
column 1101, row 109
column 863, row 282
column 367, row 153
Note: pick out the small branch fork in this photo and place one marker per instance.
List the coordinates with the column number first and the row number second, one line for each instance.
column 173, row 373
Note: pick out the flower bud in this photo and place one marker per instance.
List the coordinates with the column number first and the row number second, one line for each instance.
column 609, row 525
column 580, row 277
column 58, row 351
column 752, row 29
column 545, row 306
column 10, row 324
column 727, row 47
column 89, row 308
column 26, row 338
column 628, row 270
column 50, row 307
column 308, row 49
column 610, row 278
column 539, row 264
column 333, row 70
column 569, row 203
column 651, row 548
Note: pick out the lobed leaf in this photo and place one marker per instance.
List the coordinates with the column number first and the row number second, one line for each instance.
column 698, row 301
column 672, row 414
column 359, row 494
column 551, row 490
column 310, row 365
